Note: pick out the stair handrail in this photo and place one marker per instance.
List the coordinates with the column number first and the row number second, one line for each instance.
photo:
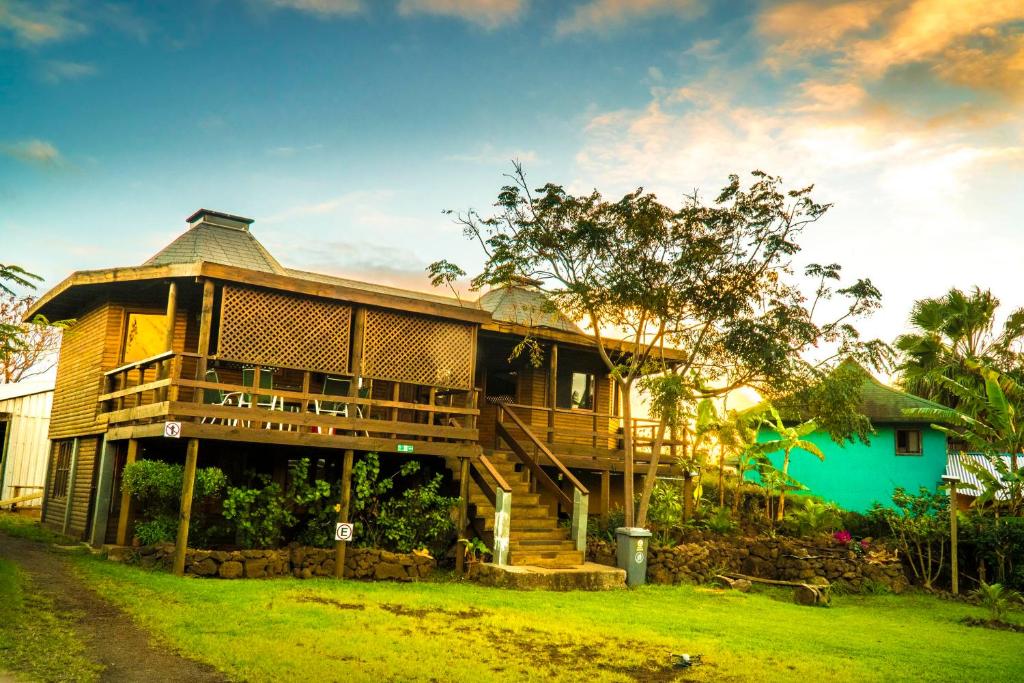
column 501, row 498
column 579, row 502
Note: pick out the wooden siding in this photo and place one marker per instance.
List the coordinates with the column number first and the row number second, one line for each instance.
column 81, row 485
column 90, row 346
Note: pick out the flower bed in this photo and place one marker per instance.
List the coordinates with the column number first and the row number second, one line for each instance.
column 298, row 561
column 770, row 558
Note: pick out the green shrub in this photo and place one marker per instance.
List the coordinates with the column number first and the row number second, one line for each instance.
column 156, row 487
column 420, row 517
column 720, row 522
column 996, row 598
column 814, row 517
column 262, row 515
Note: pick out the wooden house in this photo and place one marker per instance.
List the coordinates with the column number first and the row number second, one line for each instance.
column 212, row 348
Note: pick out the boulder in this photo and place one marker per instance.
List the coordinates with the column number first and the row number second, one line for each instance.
column 230, row 570
column 255, row 568
column 390, row 570
column 205, row 567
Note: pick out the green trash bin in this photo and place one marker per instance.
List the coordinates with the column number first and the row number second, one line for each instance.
column 631, row 547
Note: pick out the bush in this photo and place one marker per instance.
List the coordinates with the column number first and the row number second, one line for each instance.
column 418, row 518
column 263, row 514
column 604, row 529
column 156, row 487
column 813, row 517
column 720, row 522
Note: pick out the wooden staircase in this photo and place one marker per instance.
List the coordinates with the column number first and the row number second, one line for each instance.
column 535, row 536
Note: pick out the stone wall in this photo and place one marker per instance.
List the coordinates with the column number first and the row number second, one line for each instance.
column 301, row 562
column 787, row 559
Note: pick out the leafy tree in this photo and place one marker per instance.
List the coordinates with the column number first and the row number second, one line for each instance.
column 28, row 349
column 712, row 280
column 948, row 333
column 919, row 526
column 989, row 419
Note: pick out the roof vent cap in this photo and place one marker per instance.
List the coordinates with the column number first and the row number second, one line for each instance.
column 220, row 219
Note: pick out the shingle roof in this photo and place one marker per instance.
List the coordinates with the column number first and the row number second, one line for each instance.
column 218, row 244
column 379, row 289
column 525, row 306
column 880, row 403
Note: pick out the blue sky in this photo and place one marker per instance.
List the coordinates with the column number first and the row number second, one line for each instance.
column 345, row 127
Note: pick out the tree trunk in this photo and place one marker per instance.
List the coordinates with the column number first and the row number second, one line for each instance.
column 721, row 476
column 627, row 452
column 652, row 474
column 782, row 487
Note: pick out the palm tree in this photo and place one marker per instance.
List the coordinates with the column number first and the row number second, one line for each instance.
column 789, row 439
column 950, row 331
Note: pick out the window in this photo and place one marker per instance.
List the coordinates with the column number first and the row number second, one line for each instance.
column 502, row 385
column 145, row 335
column 908, row 442
column 62, row 469
column 574, row 390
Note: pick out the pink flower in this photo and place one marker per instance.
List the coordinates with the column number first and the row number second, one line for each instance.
column 843, row 537
column 864, row 545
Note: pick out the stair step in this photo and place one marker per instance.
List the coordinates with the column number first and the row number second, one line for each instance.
column 519, row 523
column 540, row 545
column 535, row 511
column 554, row 558
column 556, row 534
column 518, row 499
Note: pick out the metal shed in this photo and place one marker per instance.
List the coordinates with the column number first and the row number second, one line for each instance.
column 24, row 438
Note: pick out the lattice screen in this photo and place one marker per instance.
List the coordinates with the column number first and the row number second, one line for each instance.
column 280, row 330
column 418, row 350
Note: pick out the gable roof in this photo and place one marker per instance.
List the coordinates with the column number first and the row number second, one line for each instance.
column 527, row 307
column 221, row 238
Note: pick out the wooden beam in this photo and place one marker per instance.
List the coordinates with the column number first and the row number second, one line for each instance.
column 604, row 506
column 172, row 310
column 358, row 335
column 205, row 325
column 125, row 515
column 343, row 512
column 463, row 512
column 69, row 499
column 187, row 484
column 552, row 390
column 104, row 492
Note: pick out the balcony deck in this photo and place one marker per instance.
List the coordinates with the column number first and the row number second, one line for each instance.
column 141, row 397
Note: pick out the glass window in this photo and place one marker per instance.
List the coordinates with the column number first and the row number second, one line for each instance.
column 908, row 442
column 145, row 336
column 574, row 390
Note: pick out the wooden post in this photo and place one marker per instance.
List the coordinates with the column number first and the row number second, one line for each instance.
column 172, row 307
column 463, row 513
column 203, row 347
column 687, row 496
column 125, row 515
column 187, row 485
column 72, row 477
column 552, row 391
column 594, row 408
column 953, row 557
column 356, row 367
column 431, row 400
column 343, row 510
column 104, row 493
column 606, row 494
column 305, row 390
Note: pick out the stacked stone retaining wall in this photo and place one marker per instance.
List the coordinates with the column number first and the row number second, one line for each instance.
column 787, row 559
column 298, row 561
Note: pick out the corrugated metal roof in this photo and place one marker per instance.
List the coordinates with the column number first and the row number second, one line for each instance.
column 218, row 244
column 25, row 388
column 969, row 482
column 526, row 306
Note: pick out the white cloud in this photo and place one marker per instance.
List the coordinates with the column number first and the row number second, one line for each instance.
column 35, row 23
column 489, row 155
column 58, row 71
column 489, row 14
column 38, row 152
column 602, row 16
column 292, row 150
column 321, row 8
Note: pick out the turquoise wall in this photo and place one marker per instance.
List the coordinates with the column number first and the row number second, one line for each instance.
column 855, row 476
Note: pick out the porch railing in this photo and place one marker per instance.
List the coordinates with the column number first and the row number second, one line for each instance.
column 577, row 505
column 500, row 497
column 163, row 388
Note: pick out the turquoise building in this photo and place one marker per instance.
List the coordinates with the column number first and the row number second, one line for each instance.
column 903, row 451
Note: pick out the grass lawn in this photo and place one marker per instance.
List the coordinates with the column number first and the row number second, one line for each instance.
column 325, row 630
column 34, row 644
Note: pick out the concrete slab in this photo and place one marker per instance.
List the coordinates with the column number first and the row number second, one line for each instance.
column 586, row 577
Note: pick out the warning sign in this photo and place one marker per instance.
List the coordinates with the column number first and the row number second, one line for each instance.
column 172, row 430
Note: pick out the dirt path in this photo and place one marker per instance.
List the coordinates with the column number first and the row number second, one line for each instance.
column 110, row 636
